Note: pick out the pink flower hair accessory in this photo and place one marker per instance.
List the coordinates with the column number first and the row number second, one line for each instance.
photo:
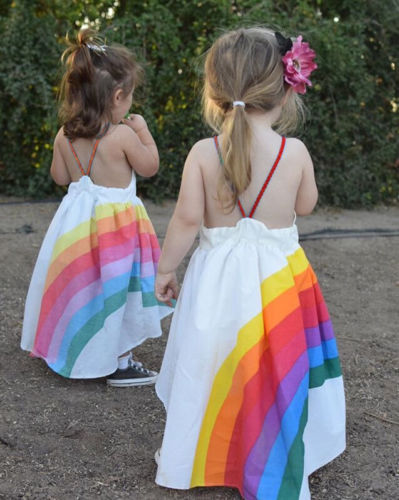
column 298, row 65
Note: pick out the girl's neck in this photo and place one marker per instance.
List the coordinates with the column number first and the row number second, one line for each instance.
column 105, row 126
column 264, row 119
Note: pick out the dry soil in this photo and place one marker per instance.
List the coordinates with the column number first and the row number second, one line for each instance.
column 66, row 439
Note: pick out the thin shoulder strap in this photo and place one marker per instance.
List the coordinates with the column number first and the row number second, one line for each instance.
column 93, row 153
column 268, row 178
column 76, row 157
column 241, row 208
column 265, row 184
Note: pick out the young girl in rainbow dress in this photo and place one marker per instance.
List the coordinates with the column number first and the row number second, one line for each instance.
column 91, row 298
column 251, row 379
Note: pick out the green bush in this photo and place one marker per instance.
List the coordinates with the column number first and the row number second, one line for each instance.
column 353, row 120
column 28, row 69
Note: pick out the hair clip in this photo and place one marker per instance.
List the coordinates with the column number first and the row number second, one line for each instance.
column 298, row 62
column 239, row 103
column 96, row 48
column 284, row 44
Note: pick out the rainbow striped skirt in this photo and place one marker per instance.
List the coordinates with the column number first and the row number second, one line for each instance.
column 251, row 379
column 91, row 296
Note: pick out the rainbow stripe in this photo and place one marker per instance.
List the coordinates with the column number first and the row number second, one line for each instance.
column 92, row 269
column 251, row 436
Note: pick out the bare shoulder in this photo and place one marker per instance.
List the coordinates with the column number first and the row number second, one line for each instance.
column 60, row 138
column 58, row 169
column 122, row 129
column 297, row 150
column 122, row 133
column 61, row 144
column 296, row 146
column 204, row 146
column 204, row 152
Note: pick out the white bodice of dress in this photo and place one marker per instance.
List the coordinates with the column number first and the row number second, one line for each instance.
column 249, row 231
column 111, row 194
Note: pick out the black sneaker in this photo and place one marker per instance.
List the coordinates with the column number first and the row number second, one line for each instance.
column 134, row 374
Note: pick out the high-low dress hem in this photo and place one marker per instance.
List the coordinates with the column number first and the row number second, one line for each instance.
column 91, row 296
column 251, row 380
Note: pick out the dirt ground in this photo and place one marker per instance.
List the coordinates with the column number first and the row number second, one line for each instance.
column 65, row 439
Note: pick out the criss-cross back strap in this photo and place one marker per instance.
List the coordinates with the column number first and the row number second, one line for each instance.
column 93, row 153
column 268, row 179
column 265, row 184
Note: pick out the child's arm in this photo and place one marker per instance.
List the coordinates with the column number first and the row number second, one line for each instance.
column 307, row 193
column 58, row 169
column 183, row 227
column 140, row 148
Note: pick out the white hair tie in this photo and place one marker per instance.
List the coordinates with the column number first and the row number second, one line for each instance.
column 239, row 103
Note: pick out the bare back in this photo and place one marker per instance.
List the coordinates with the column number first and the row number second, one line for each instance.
column 278, row 204
column 110, row 167
column 110, row 159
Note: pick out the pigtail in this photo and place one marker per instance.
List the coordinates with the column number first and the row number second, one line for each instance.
column 236, row 147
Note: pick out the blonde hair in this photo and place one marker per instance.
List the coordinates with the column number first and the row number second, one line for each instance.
column 244, row 65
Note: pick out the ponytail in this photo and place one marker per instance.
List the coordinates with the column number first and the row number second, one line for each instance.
column 78, row 119
column 236, row 148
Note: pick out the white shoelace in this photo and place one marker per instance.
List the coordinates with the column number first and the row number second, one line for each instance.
column 139, row 366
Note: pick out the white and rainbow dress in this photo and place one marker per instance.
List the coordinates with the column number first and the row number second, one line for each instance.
column 91, row 296
column 251, row 379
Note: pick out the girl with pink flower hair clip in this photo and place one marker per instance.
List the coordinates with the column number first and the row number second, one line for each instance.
column 251, row 378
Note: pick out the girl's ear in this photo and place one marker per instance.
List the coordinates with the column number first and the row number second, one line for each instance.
column 118, row 95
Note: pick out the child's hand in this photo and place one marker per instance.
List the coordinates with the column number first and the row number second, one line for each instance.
column 135, row 122
column 166, row 287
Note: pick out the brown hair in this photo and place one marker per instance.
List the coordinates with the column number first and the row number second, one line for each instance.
column 94, row 71
column 244, row 65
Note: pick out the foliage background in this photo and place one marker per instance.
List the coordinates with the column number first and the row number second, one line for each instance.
column 352, row 130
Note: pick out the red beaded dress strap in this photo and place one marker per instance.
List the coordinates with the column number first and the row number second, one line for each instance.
column 266, row 183
column 241, row 208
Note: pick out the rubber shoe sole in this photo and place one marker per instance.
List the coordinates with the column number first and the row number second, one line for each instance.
column 131, row 382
